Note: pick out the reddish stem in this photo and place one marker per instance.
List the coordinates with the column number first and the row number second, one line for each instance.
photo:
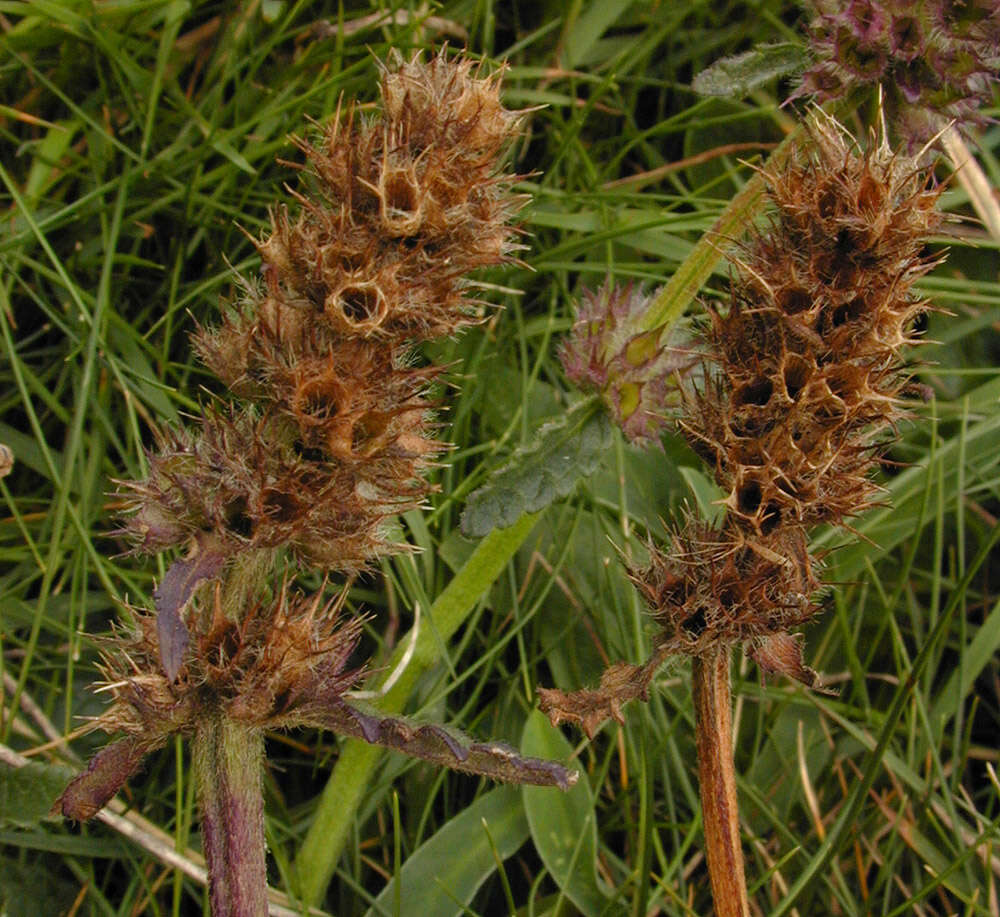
column 228, row 762
column 717, row 776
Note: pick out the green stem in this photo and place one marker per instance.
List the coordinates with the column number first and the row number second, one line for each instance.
column 228, row 763
column 740, row 212
column 349, row 781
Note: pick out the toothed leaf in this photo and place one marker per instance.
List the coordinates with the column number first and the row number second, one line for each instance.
column 738, row 76
column 546, row 470
column 441, row 745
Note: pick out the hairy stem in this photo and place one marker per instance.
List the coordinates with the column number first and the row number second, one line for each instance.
column 697, row 267
column 717, row 778
column 228, row 762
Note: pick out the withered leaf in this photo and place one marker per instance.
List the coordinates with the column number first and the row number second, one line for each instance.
column 782, row 653
column 205, row 562
column 620, row 683
column 441, row 745
column 105, row 775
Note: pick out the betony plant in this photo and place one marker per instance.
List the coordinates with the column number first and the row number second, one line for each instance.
column 801, row 388
column 328, row 434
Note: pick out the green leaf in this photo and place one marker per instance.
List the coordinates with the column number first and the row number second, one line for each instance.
column 443, row 874
column 46, row 166
column 81, row 845
column 707, row 494
column 542, row 472
column 31, row 890
column 584, row 32
column 28, row 793
column 736, row 77
column 975, row 658
column 563, row 825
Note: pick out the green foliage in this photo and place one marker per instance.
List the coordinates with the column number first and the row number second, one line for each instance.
column 436, row 882
column 547, row 469
column 564, row 827
column 139, row 141
column 27, row 793
column 738, row 76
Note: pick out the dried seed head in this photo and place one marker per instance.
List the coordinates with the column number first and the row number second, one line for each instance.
column 404, row 206
column 708, row 590
column 802, row 388
column 451, row 100
column 283, row 665
column 351, row 399
column 807, row 379
column 243, row 480
column 255, row 671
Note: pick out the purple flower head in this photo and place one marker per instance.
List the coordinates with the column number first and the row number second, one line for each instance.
column 608, row 353
column 936, row 60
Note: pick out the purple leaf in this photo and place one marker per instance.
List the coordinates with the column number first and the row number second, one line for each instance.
column 205, row 562
column 440, row 745
column 105, row 775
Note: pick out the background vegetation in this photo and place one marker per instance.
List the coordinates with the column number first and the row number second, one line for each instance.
column 139, row 140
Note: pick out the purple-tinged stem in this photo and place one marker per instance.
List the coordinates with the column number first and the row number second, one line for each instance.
column 717, row 779
column 228, row 764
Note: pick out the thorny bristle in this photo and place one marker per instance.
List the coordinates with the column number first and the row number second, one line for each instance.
column 802, row 390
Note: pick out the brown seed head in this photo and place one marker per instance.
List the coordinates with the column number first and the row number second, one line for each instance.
column 257, row 671
column 802, row 389
column 807, row 377
column 404, row 207
column 401, row 208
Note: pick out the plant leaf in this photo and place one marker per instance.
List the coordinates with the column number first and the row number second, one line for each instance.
column 563, row 825
column 707, row 494
column 28, row 793
column 545, row 470
column 442, row 745
column 437, row 883
column 31, row 890
column 174, row 592
column 738, row 76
